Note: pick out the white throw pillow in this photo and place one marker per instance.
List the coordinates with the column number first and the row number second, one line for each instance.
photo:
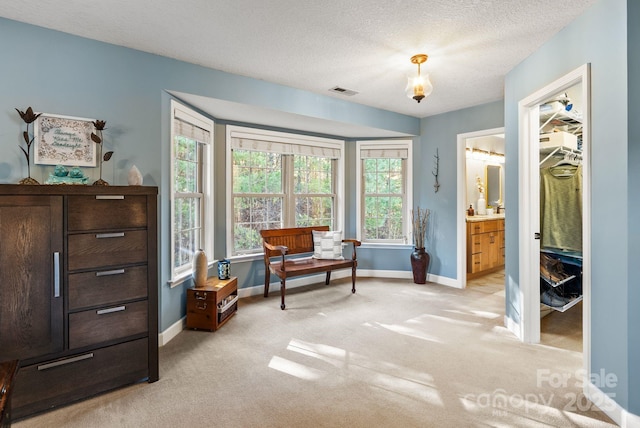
column 327, row 245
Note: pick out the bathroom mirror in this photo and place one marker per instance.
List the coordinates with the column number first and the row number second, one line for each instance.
column 494, row 184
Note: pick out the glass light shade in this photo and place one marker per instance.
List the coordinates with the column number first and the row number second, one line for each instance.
column 419, row 86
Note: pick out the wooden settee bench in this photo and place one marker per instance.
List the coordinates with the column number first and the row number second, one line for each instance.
column 295, row 241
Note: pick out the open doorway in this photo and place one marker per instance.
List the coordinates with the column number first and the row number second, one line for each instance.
column 481, row 214
column 554, row 149
column 561, row 199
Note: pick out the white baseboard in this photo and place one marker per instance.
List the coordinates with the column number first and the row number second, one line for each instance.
column 171, row 332
column 512, row 326
column 372, row 273
column 609, row 406
column 258, row 290
column 274, row 287
column 443, row 280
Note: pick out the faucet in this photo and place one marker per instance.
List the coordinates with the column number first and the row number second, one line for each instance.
column 499, row 209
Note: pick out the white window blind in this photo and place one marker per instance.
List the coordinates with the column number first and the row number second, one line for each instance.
column 285, row 148
column 384, row 153
column 189, row 130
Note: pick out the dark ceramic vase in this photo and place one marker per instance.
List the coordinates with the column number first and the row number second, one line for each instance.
column 419, row 265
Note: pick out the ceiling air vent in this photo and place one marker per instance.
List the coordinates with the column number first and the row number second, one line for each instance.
column 343, row 91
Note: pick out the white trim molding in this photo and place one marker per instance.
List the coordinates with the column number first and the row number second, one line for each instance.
column 288, row 143
column 609, row 406
column 258, row 290
column 173, row 330
column 182, row 113
column 386, row 149
column 461, row 205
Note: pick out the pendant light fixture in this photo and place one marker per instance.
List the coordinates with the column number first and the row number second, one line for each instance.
column 419, row 87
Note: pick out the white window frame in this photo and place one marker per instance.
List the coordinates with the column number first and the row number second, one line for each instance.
column 186, row 114
column 391, row 145
column 286, row 143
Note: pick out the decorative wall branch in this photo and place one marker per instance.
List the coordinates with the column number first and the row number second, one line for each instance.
column 436, row 185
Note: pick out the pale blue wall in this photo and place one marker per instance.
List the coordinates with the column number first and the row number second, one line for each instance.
column 62, row 74
column 441, row 132
column 633, row 195
column 597, row 37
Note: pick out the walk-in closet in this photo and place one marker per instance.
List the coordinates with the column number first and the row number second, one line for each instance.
column 561, row 218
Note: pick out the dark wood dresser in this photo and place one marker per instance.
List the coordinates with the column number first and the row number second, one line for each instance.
column 78, row 290
column 8, row 370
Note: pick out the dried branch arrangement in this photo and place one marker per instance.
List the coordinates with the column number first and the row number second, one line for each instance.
column 420, row 221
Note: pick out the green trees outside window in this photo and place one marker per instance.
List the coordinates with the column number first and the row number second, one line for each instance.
column 383, row 199
column 188, row 199
column 273, row 190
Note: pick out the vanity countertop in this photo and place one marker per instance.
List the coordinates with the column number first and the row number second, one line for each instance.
column 477, row 217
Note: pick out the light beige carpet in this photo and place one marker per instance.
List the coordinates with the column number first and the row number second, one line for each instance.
column 395, row 354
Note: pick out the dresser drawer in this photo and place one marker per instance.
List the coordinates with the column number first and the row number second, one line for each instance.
column 476, row 263
column 484, row 226
column 476, row 227
column 41, row 386
column 201, row 295
column 476, row 244
column 109, row 323
column 94, row 250
column 106, row 212
column 106, row 287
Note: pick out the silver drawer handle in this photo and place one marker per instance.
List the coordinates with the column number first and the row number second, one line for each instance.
column 66, row 361
column 110, row 272
column 111, row 310
column 110, row 235
column 109, row 196
column 56, row 274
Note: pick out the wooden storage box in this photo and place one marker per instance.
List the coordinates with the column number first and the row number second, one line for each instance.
column 209, row 307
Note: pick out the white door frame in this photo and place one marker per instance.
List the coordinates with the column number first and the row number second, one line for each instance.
column 529, row 207
column 461, row 206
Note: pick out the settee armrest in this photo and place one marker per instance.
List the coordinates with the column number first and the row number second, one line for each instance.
column 281, row 248
column 355, row 243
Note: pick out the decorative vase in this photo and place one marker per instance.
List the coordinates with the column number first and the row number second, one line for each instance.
column 481, row 207
column 224, row 271
column 419, row 265
column 200, row 270
column 135, row 176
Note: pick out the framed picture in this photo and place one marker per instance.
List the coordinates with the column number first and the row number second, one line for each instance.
column 64, row 140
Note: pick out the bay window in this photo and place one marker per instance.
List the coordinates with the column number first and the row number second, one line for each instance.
column 280, row 180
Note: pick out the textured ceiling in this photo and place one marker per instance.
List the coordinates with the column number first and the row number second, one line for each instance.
column 362, row 45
